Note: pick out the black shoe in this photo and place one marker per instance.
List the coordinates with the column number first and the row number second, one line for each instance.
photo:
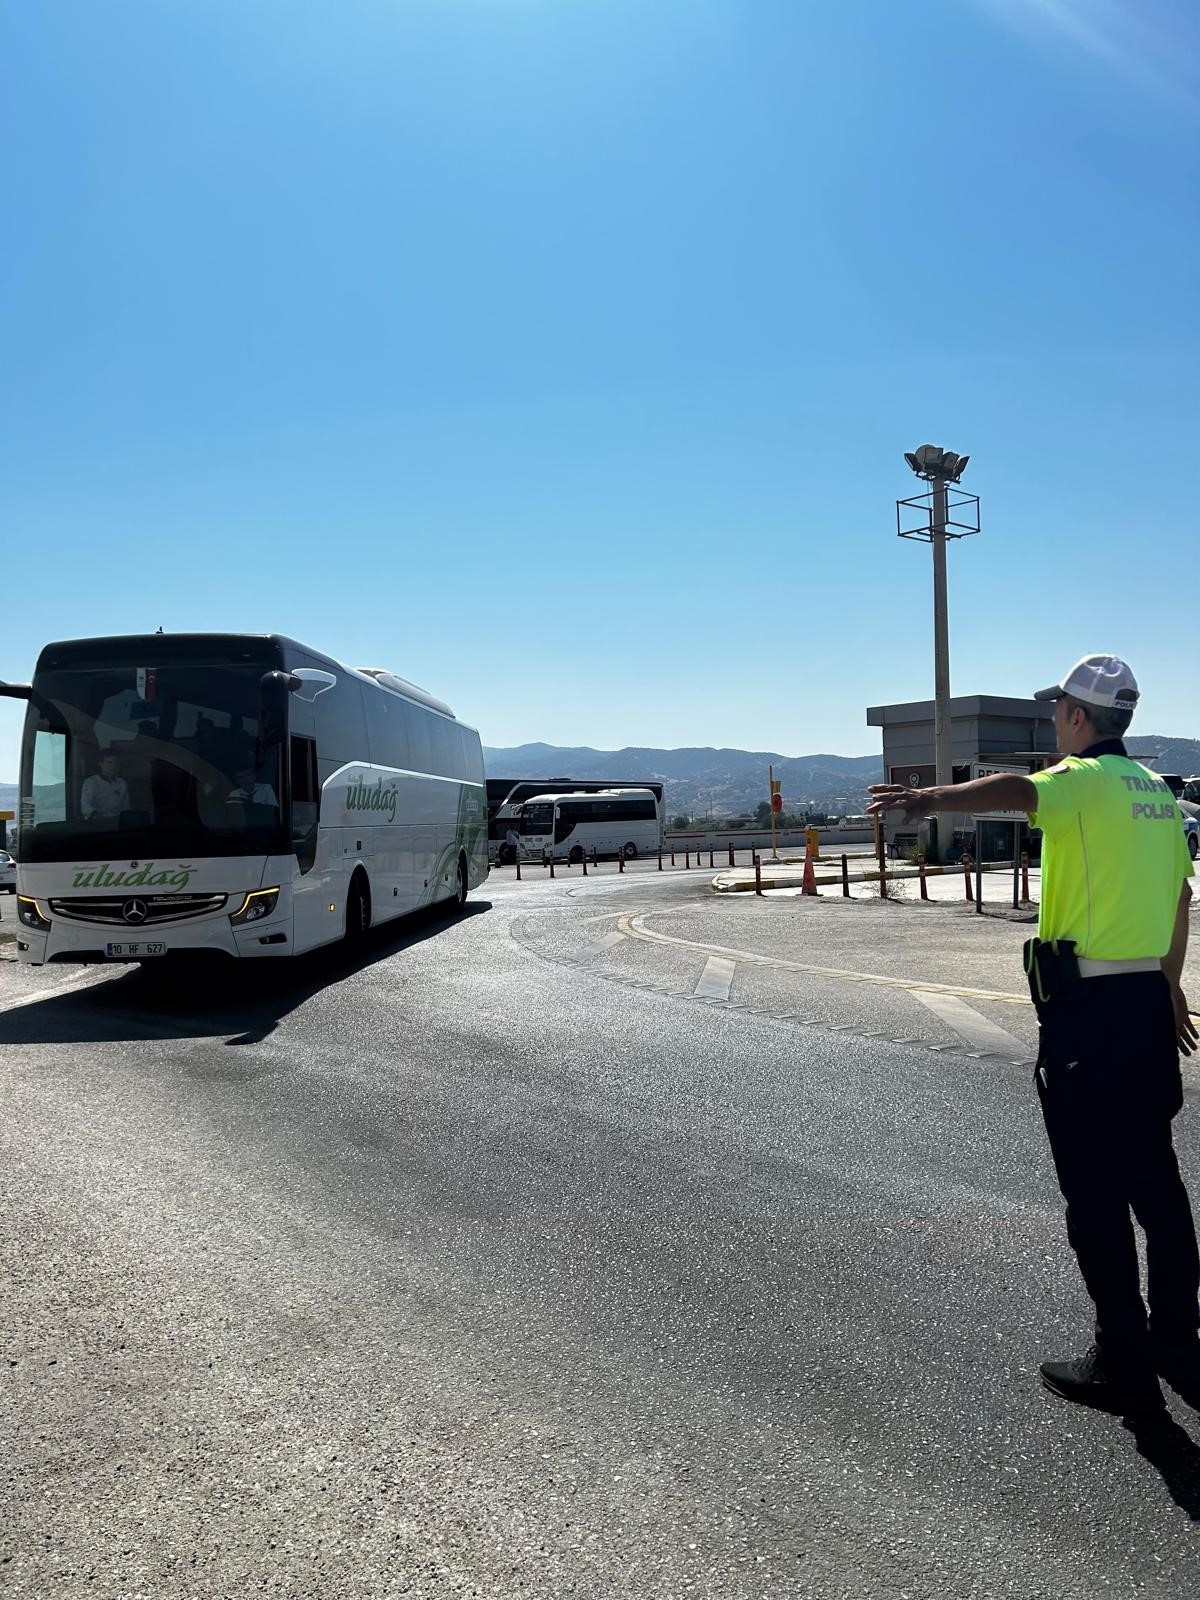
column 1178, row 1361
column 1087, row 1383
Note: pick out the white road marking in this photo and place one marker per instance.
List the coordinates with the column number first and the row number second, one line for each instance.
column 716, row 980
column 58, row 989
column 634, row 924
column 593, row 951
column 969, row 1025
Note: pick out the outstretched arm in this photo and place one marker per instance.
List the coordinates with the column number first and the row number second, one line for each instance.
column 1001, row 791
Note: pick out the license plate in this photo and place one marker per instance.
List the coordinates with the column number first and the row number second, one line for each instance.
column 134, row 952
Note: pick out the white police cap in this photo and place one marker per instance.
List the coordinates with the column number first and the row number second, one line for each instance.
column 1097, row 681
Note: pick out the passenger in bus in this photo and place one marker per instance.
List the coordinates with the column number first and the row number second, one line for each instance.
column 248, row 789
column 105, row 794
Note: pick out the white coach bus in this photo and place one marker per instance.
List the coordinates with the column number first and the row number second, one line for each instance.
column 568, row 825
column 233, row 793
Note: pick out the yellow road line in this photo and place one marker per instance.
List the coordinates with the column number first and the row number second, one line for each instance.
column 634, row 927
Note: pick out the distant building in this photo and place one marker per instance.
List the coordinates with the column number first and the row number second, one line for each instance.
column 989, row 733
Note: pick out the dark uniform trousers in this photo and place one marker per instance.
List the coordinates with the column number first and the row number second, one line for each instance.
column 1109, row 1082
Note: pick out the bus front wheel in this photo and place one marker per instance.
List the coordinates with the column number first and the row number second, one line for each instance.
column 575, row 854
column 460, row 886
column 631, row 852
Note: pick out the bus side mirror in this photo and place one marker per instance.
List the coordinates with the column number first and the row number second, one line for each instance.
column 306, row 683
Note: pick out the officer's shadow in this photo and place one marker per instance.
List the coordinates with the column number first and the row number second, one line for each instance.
column 1175, row 1455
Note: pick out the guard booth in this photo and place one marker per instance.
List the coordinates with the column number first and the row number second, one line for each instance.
column 989, row 733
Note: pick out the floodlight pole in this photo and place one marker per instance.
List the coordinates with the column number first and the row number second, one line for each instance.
column 939, row 469
column 943, row 745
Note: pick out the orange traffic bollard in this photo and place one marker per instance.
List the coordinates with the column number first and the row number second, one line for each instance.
column 552, row 864
column 621, row 859
column 846, row 877
column 518, row 858
column 583, row 859
column 966, row 861
column 672, row 855
column 731, row 852
column 809, row 885
column 1025, row 876
column 687, row 859
column 921, row 874
column 660, row 858
column 757, row 874
column 710, row 856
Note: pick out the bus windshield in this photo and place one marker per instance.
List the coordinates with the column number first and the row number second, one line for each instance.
column 146, row 760
column 537, row 818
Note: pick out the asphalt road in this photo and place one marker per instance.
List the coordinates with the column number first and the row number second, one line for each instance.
column 507, row 1263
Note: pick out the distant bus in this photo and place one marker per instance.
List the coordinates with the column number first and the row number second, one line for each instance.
column 233, row 793
column 566, row 826
column 505, row 796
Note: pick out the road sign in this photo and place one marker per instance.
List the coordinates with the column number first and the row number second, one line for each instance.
column 981, row 769
column 776, row 802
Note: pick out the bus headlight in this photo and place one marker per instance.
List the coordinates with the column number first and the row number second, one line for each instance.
column 30, row 913
column 259, row 903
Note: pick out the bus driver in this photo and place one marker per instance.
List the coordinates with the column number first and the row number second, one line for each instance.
column 105, row 794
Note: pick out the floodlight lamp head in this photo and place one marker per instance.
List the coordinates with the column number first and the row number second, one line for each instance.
column 932, row 462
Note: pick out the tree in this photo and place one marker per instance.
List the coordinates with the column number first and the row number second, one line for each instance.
column 762, row 813
column 679, row 824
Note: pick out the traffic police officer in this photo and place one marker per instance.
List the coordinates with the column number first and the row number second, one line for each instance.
column 1105, row 975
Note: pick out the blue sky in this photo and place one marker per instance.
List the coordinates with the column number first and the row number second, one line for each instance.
column 561, row 354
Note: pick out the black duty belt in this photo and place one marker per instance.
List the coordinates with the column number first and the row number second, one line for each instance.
column 1052, row 968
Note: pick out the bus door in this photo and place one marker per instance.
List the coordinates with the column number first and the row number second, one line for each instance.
column 317, row 850
column 564, row 825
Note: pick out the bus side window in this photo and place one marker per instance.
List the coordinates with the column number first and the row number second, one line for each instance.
column 420, row 746
column 445, row 740
column 49, row 788
column 306, row 800
column 387, row 729
column 462, row 768
column 564, row 826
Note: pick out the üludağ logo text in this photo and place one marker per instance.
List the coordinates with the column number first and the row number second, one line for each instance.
column 364, row 796
column 148, row 875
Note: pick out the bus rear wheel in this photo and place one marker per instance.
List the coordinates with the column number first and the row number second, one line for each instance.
column 460, row 886
column 631, row 852
column 358, row 912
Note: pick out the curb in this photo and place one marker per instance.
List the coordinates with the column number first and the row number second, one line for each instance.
column 742, row 886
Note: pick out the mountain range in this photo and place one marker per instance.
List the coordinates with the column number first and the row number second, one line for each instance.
column 732, row 782
column 697, row 780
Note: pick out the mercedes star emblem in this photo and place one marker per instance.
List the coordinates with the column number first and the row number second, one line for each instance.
column 134, row 911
